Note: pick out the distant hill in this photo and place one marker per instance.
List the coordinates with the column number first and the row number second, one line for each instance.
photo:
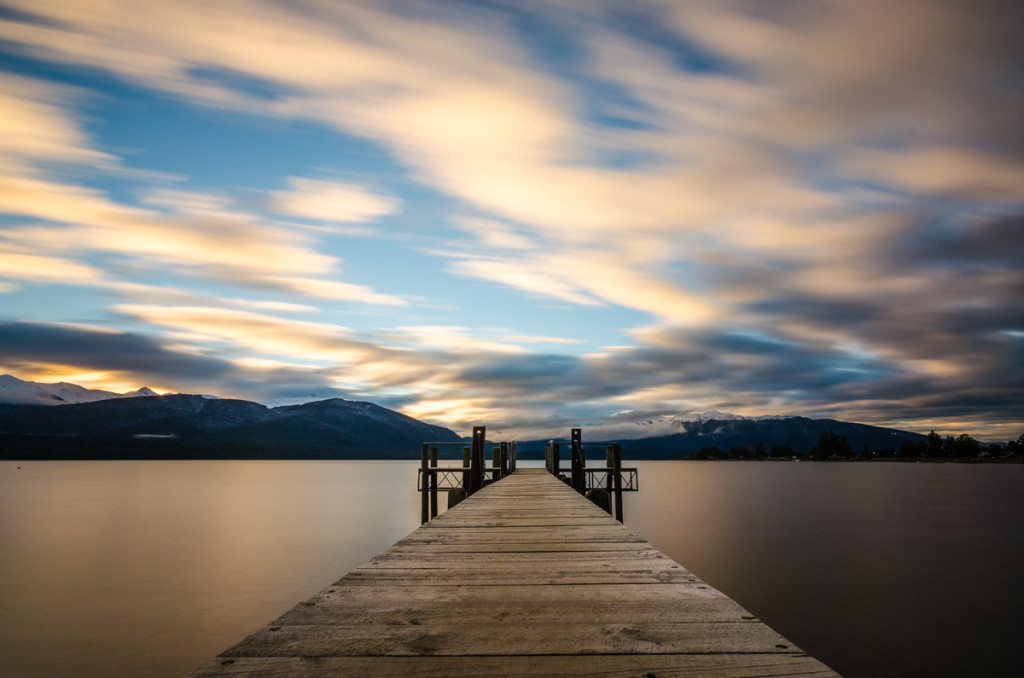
column 191, row 426
column 799, row 433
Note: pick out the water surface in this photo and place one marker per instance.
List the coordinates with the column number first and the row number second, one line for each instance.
column 877, row 569
column 150, row 568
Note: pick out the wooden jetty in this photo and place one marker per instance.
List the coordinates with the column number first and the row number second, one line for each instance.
column 523, row 578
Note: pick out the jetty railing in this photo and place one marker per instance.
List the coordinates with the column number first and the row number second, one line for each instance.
column 461, row 481
column 603, row 485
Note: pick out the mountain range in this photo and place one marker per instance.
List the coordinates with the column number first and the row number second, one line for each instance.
column 798, row 434
column 88, row 424
column 150, row 426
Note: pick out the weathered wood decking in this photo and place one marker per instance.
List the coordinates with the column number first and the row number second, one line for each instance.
column 524, row 578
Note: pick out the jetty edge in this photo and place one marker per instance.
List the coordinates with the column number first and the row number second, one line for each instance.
column 525, row 577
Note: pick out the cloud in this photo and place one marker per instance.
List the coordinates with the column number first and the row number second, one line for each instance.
column 333, row 289
column 301, row 341
column 211, row 243
column 200, row 236
column 495, row 234
column 25, row 266
column 923, row 71
column 35, row 128
column 521, row 274
column 124, row 361
column 995, row 243
column 32, row 347
column 954, row 172
column 322, row 200
column 454, row 339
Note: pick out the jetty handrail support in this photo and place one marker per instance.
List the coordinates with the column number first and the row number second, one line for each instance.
column 476, row 464
column 613, row 454
column 468, row 477
column 433, row 482
column 552, row 457
column 581, row 474
column 425, row 471
column 577, row 460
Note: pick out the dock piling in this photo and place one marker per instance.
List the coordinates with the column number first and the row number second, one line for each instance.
column 577, row 460
column 616, row 472
column 433, row 482
column 424, row 476
column 476, row 469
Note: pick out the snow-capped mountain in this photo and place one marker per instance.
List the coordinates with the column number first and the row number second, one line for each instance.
column 681, row 420
column 295, row 400
column 14, row 391
column 633, row 424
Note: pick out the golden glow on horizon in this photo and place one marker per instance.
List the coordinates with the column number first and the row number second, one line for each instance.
column 113, row 382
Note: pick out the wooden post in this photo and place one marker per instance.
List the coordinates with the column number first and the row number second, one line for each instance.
column 547, row 456
column 577, row 462
column 455, row 496
column 465, row 468
column 425, row 477
column 495, row 462
column 554, row 458
column 433, row 482
column 504, row 459
column 476, row 464
column 602, row 498
column 617, row 479
column 514, row 458
column 609, row 461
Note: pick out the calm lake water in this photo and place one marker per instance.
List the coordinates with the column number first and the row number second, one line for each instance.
column 150, row 568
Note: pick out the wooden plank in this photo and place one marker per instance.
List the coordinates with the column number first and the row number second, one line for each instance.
column 399, row 577
column 567, row 637
column 541, row 559
column 391, row 605
column 519, row 547
column 522, row 535
column 612, row 594
column 525, row 577
column 527, row 562
column 503, row 521
column 608, row 666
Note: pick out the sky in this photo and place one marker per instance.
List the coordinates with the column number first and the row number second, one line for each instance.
column 521, row 214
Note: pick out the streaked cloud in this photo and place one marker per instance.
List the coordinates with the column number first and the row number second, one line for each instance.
column 952, row 172
column 322, row 200
column 24, row 266
column 35, row 127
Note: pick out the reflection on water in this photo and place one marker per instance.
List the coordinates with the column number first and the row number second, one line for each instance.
column 150, row 568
